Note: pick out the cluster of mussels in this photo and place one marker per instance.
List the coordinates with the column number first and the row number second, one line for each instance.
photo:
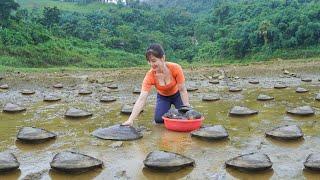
column 184, row 113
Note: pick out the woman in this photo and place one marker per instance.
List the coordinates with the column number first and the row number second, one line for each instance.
column 168, row 78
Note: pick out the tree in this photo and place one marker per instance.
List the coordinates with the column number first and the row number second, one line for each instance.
column 51, row 16
column 6, row 6
column 222, row 12
column 263, row 29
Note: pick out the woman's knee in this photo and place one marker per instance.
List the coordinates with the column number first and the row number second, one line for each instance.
column 162, row 106
column 158, row 119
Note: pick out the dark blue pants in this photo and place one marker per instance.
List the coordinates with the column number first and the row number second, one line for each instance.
column 164, row 104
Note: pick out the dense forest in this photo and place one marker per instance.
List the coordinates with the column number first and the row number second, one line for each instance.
column 89, row 33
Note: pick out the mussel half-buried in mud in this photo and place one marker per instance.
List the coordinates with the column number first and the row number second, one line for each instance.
column 287, row 132
column 117, row 133
column 73, row 162
column 8, row 162
column 217, row 132
column 167, row 161
column 250, row 162
column 34, row 135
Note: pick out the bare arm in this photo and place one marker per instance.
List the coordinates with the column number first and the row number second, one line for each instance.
column 184, row 94
column 137, row 108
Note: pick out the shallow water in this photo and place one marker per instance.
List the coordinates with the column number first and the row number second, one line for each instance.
column 246, row 134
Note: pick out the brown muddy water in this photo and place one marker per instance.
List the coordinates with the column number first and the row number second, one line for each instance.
column 246, row 134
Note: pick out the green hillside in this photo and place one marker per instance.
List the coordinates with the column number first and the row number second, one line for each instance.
column 84, row 33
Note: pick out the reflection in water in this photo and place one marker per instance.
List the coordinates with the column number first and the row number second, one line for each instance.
column 286, row 143
column 217, row 144
column 250, row 175
column 155, row 175
column 83, row 176
column 31, row 147
column 311, row 175
column 174, row 141
column 11, row 175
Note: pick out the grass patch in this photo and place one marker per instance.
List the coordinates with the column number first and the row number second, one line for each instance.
column 65, row 6
column 146, row 66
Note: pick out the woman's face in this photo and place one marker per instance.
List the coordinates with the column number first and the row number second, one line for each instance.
column 155, row 62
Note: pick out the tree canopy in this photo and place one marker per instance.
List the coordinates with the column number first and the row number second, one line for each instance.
column 6, row 7
column 95, row 34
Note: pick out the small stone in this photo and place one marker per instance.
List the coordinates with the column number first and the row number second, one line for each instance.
column 250, row 162
column 27, row 92
column 117, row 133
column 301, row 90
column 318, row 97
column 72, row 162
column 213, row 97
column 126, row 109
column 8, row 162
column 77, row 113
column 217, row 132
column 51, row 98
column 263, row 97
column 313, row 162
column 84, row 92
column 286, row 72
column 13, row 108
column 287, row 132
column 107, row 99
column 113, row 86
column 280, row 86
column 235, row 89
column 242, row 111
column 253, row 81
column 101, row 80
column 306, row 79
column 136, row 90
column 191, row 89
column 34, row 135
column 92, row 79
column 4, row 86
column 214, row 81
column 302, row 111
column 58, row 86
column 215, row 76
column 293, row 74
column 167, row 161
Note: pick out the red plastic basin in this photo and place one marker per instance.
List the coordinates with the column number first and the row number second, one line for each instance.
column 182, row 125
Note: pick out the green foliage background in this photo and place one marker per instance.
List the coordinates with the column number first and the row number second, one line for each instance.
column 87, row 33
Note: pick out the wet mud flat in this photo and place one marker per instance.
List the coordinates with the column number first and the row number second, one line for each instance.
column 124, row 159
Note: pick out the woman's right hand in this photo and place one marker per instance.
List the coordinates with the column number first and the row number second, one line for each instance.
column 127, row 123
column 137, row 108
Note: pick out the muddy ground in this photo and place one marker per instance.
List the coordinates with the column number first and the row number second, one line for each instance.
column 126, row 161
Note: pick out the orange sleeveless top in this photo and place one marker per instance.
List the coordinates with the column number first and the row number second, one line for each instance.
column 168, row 89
